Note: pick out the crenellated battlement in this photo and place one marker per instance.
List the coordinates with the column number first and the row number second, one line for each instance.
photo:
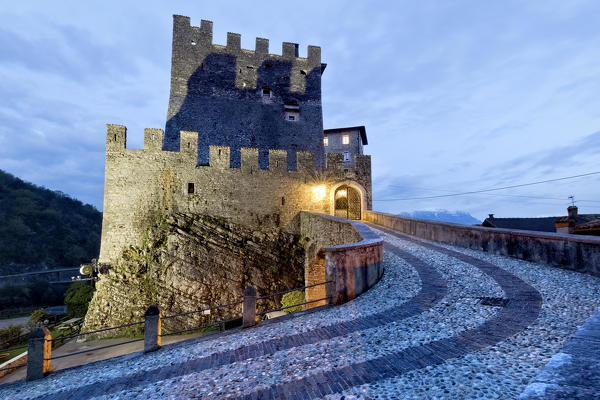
column 187, row 36
column 220, row 156
column 254, row 88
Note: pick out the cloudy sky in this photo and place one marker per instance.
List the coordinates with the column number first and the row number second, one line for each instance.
column 456, row 96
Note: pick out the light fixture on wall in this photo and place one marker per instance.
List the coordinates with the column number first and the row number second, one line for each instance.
column 318, row 193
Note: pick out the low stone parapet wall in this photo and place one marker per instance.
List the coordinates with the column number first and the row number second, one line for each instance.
column 575, row 252
column 350, row 252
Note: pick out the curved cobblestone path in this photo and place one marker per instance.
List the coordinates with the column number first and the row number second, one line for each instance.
column 523, row 308
column 425, row 315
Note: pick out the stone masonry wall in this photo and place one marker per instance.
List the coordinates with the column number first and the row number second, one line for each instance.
column 345, row 252
column 574, row 252
column 142, row 185
column 217, row 91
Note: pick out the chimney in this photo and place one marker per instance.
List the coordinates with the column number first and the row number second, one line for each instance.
column 490, row 216
column 572, row 210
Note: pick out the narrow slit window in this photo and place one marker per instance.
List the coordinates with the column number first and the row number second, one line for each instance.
column 283, row 201
column 346, row 156
column 153, row 136
column 325, row 141
column 190, row 188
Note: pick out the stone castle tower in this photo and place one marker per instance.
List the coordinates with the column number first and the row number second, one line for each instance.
column 213, row 203
column 240, row 98
column 243, row 141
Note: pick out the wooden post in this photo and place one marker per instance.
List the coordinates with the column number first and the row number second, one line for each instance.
column 249, row 309
column 152, row 329
column 39, row 353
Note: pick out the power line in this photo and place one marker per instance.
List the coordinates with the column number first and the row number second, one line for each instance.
column 499, row 194
column 494, row 189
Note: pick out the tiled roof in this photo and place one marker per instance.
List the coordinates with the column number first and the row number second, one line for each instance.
column 591, row 225
column 542, row 224
column 580, row 219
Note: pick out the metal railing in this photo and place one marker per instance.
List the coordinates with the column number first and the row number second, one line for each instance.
column 96, row 331
column 40, row 340
column 13, row 367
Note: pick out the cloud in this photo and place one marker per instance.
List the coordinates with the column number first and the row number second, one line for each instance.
column 455, row 96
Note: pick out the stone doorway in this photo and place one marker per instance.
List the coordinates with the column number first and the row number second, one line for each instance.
column 347, row 202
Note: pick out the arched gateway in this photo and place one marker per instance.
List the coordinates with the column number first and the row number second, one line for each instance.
column 347, row 202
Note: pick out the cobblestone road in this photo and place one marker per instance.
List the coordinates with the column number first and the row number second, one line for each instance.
column 422, row 332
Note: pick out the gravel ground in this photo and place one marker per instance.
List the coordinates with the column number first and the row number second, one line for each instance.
column 499, row 371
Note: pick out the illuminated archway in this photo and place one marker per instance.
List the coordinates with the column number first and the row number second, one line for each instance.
column 347, row 200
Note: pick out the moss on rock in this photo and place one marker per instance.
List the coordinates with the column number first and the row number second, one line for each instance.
column 188, row 262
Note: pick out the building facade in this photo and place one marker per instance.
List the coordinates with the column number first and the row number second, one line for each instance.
column 346, row 141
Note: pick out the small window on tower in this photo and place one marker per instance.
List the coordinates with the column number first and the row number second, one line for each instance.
column 266, row 93
column 325, row 141
column 291, row 111
column 345, row 139
column 190, row 188
column 346, row 156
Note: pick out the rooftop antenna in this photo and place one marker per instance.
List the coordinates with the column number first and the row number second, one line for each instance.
column 572, row 198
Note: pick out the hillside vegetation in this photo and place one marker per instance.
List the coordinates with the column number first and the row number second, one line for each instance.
column 44, row 228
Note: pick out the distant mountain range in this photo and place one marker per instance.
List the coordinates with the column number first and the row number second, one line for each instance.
column 457, row 217
column 44, row 228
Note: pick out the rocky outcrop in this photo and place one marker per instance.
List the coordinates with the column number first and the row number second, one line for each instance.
column 187, row 262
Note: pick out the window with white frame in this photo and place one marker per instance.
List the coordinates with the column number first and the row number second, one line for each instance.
column 346, row 156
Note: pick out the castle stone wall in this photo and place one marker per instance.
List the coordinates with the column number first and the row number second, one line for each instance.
column 217, row 91
column 141, row 186
column 350, row 256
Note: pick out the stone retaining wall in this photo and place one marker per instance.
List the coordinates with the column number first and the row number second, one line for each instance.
column 352, row 255
column 575, row 252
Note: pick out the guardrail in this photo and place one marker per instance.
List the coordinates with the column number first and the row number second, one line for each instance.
column 40, row 343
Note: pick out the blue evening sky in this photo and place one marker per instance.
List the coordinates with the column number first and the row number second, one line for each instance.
column 455, row 95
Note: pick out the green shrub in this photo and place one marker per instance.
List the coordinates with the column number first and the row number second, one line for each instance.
column 292, row 298
column 77, row 299
column 10, row 336
column 36, row 318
